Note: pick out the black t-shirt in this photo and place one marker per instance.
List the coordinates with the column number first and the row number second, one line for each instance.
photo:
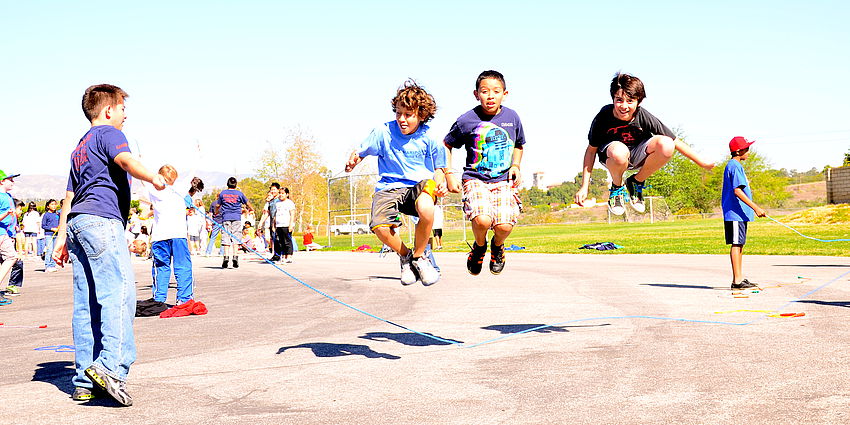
column 606, row 128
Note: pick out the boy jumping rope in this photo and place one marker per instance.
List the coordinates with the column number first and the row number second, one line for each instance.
column 411, row 165
column 627, row 137
column 97, row 204
column 493, row 138
column 738, row 208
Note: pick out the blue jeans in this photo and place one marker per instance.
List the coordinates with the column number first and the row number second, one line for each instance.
column 48, row 251
column 104, row 297
column 164, row 252
column 215, row 232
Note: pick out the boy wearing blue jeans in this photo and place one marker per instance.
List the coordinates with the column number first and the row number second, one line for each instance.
column 91, row 235
column 411, row 165
column 738, row 208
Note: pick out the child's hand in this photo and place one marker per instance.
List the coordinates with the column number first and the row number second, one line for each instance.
column 760, row 212
column 353, row 160
column 158, row 182
column 581, row 195
column 441, row 189
column 515, row 176
column 60, row 252
column 453, row 184
column 707, row 167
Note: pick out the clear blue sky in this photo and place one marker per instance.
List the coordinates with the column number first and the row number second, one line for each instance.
column 236, row 75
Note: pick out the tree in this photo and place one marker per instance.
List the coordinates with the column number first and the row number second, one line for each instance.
column 298, row 166
column 846, row 158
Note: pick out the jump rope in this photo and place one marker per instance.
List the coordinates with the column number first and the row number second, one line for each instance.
column 535, row 328
column 765, row 314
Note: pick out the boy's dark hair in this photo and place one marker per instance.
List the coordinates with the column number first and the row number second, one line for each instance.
column 100, row 96
column 197, row 185
column 632, row 86
column 496, row 75
column 286, row 190
column 413, row 96
column 231, row 183
column 19, row 203
column 275, row 185
column 740, row 152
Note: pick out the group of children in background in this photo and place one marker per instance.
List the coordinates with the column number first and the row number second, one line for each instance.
column 414, row 171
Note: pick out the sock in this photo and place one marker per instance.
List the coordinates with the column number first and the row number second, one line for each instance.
column 634, row 179
column 615, row 187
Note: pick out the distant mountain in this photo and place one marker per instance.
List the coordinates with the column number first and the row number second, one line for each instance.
column 31, row 187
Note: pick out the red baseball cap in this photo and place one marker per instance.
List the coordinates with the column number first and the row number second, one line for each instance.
column 738, row 143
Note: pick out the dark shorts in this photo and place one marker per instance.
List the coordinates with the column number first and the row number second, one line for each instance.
column 388, row 205
column 736, row 232
column 438, row 233
column 637, row 154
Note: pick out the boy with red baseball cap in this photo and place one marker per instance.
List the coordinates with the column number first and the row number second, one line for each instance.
column 738, row 208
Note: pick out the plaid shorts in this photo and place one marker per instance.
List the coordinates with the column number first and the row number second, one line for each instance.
column 498, row 200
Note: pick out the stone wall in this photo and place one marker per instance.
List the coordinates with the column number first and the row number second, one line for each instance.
column 838, row 185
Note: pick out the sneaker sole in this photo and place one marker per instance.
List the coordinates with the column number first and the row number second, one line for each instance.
column 92, row 374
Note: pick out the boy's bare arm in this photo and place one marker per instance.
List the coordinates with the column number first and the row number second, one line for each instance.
column 689, row 153
column 746, row 199
column 452, row 181
column 586, row 169
column 128, row 163
column 352, row 162
column 514, row 173
column 60, row 249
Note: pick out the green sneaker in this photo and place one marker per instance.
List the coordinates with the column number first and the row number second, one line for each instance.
column 13, row 290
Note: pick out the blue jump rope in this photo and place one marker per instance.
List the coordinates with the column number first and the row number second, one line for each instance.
column 536, row 328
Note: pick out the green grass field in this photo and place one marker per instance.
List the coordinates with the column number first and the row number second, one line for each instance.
column 695, row 236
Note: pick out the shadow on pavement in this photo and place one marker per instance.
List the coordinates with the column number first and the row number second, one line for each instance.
column 58, row 374
column 407, row 338
column 326, row 349
column 677, row 285
column 811, row 265
column 827, row 303
column 512, row 329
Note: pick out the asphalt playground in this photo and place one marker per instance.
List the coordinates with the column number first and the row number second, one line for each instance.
column 634, row 339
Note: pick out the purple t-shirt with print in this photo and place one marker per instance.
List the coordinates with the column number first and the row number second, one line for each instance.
column 489, row 142
column 100, row 186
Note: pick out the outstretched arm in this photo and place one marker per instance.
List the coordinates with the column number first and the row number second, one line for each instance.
column 131, row 165
column 689, row 153
column 586, row 169
column 352, row 162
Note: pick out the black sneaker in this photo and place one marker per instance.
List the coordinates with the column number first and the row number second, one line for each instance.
column 745, row 284
column 635, row 194
column 114, row 387
column 225, row 262
column 235, row 263
column 475, row 259
column 497, row 257
column 274, row 258
column 83, row 394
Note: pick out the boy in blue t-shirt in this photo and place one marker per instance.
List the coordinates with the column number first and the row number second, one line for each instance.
column 493, row 138
column 230, row 203
column 91, row 235
column 411, row 165
column 738, row 208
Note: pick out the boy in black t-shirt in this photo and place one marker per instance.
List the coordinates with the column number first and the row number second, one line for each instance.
column 627, row 137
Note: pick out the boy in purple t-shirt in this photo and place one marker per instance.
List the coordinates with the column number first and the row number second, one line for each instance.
column 230, row 203
column 493, row 138
column 738, row 208
column 91, row 234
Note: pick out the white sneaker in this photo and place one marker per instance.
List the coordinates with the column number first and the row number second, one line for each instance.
column 427, row 273
column 407, row 275
column 617, row 201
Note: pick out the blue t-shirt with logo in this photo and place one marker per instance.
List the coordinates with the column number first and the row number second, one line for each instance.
column 7, row 225
column 403, row 160
column 100, row 186
column 231, row 201
column 489, row 142
column 733, row 208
